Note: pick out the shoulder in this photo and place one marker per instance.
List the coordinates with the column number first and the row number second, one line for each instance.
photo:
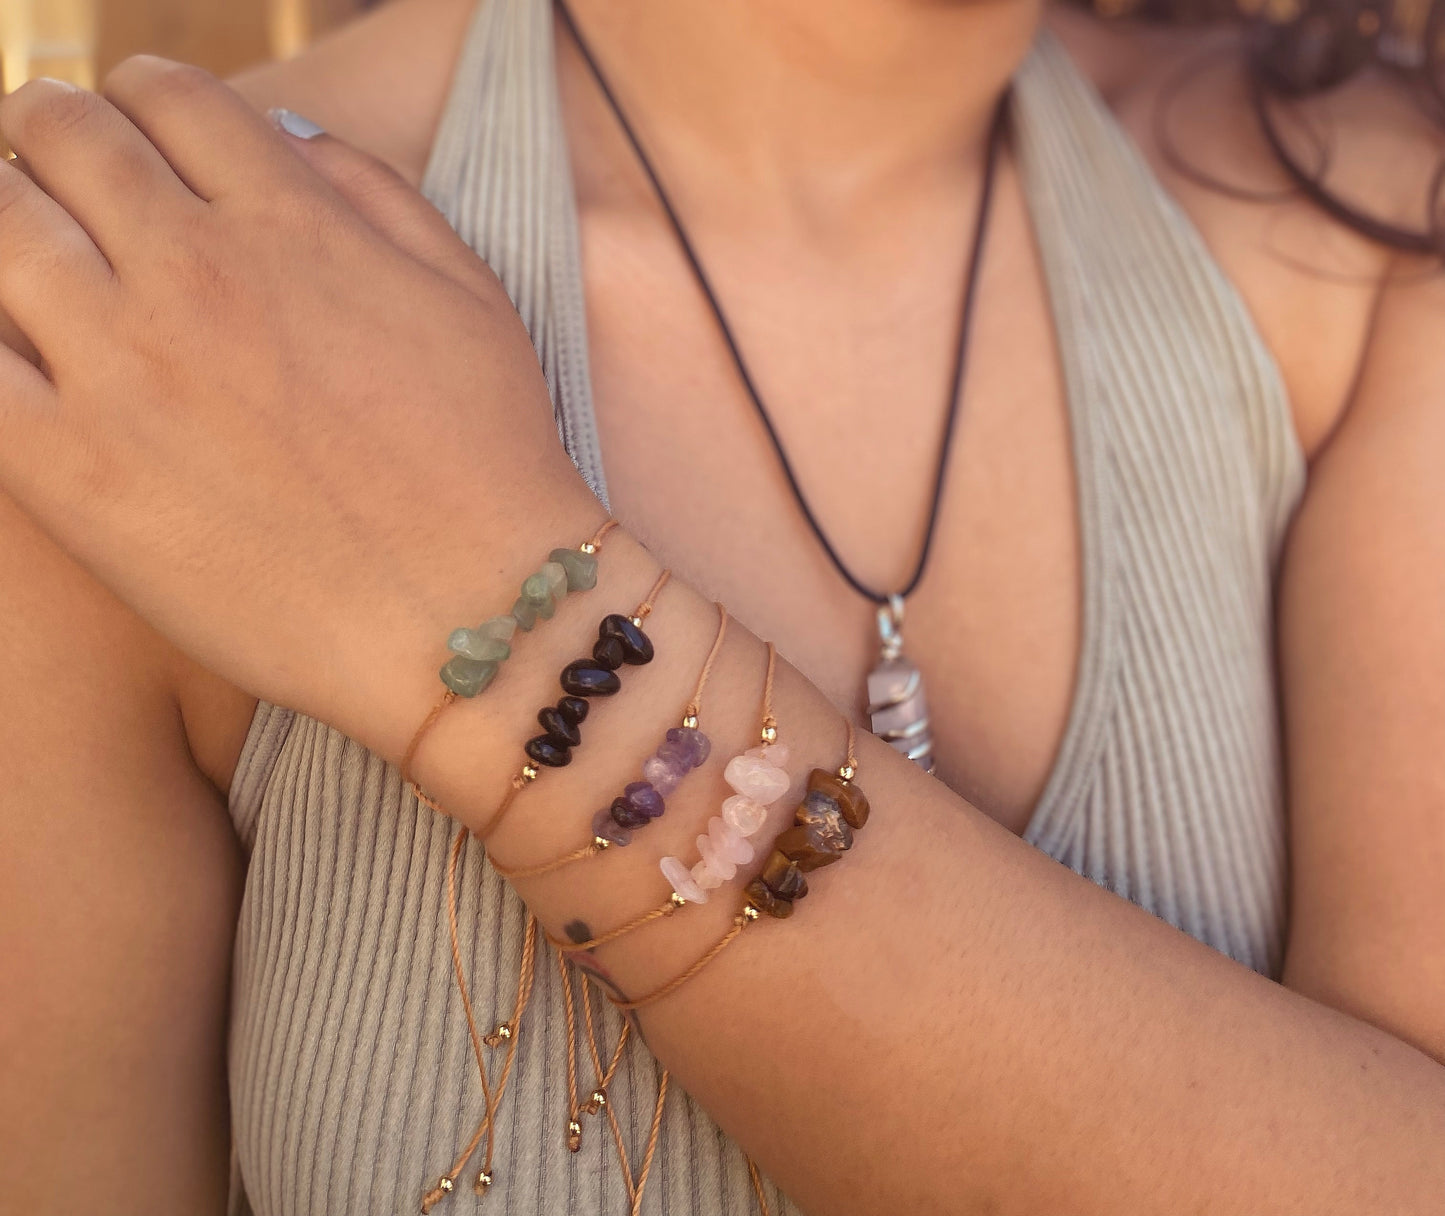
column 1311, row 282
column 380, row 82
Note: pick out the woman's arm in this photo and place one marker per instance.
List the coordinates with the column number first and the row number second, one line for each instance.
column 951, row 1022
column 1363, row 657
column 119, row 884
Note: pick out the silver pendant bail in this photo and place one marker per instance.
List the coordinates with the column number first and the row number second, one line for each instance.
column 890, row 627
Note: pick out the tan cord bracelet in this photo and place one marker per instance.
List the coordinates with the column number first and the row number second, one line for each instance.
column 685, row 748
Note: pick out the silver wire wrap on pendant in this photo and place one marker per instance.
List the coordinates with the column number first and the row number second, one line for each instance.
column 897, row 707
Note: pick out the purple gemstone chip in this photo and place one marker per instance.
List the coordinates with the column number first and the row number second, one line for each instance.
column 696, row 744
column 663, row 774
column 628, row 816
column 676, row 752
column 645, row 798
column 608, row 828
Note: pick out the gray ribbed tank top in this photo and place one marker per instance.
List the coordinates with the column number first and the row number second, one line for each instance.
column 351, row 1079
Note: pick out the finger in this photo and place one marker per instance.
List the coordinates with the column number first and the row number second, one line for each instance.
column 50, row 462
column 388, row 203
column 51, row 273
column 28, row 422
column 10, row 333
column 212, row 138
column 93, row 162
column 23, row 388
column 12, row 337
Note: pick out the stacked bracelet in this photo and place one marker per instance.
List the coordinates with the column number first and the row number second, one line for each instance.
column 833, row 802
column 478, row 653
column 683, row 749
column 822, row 832
column 759, row 778
column 619, row 640
column 823, row 826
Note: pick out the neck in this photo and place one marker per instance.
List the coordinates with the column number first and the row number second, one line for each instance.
column 800, row 95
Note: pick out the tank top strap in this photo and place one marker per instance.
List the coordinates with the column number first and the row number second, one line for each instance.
column 499, row 172
column 1131, row 276
column 1166, row 787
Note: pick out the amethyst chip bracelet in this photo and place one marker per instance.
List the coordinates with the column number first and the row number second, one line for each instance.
column 684, row 749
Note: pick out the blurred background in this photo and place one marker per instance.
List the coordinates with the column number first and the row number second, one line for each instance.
column 79, row 40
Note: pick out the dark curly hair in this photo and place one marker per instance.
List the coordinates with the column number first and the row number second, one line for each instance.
column 1299, row 48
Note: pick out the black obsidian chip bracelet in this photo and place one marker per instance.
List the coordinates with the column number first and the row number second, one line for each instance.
column 620, row 642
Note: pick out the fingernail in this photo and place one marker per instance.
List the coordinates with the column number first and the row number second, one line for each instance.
column 294, row 124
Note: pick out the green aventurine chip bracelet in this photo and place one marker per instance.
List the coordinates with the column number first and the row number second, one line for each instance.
column 478, row 653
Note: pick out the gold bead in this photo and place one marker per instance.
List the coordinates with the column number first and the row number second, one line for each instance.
column 574, row 1127
column 484, row 1180
column 601, row 842
column 690, row 722
column 599, row 1098
column 770, row 733
column 678, row 901
column 529, row 772
column 750, row 912
column 446, row 1185
column 636, row 620
column 587, row 547
column 847, row 772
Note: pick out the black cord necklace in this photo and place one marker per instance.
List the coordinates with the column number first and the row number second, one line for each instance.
column 895, row 687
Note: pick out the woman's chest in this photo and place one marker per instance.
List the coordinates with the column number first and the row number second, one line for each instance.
column 854, row 372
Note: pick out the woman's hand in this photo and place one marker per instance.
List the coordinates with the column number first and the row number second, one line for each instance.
column 297, row 447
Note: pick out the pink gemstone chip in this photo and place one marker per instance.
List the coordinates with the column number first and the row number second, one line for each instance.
column 704, row 877
column 743, row 815
column 729, row 841
column 716, row 858
column 682, row 882
column 776, row 754
column 755, row 777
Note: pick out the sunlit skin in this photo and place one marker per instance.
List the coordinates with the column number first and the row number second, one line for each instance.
column 177, row 528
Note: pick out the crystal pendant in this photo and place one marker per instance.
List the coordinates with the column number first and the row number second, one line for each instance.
column 896, row 705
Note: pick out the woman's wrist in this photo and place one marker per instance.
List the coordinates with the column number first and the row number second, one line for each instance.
column 466, row 758
column 381, row 685
column 471, row 758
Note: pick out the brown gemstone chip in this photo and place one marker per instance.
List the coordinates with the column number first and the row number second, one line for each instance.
column 810, row 846
column 848, row 796
column 783, row 877
column 765, row 901
column 820, row 811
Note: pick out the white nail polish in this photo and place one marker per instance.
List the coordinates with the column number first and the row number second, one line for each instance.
column 294, row 124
